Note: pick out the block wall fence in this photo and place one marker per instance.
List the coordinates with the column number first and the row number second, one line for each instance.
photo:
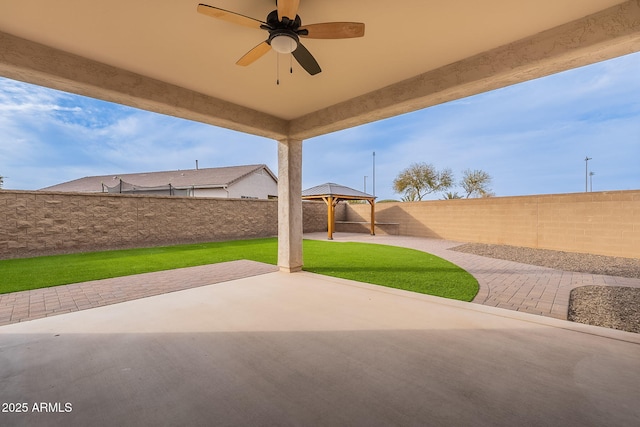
column 36, row 223
column 42, row 223
column 604, row 223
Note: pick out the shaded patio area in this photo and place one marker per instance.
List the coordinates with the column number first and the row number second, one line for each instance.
column 303, row 349
column 279, row 349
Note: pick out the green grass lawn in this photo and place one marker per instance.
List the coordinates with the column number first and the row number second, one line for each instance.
column 371, row 263
column 390, row 266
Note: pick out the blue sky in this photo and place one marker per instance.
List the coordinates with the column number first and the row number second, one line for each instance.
column 532, row 138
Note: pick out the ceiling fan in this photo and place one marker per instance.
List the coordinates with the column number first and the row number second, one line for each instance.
column 285, row 30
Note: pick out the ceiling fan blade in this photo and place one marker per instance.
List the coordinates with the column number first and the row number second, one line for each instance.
column 254, row 54
column 232, row 17
column 334, row 30
column 306, row 60
column 288, row 8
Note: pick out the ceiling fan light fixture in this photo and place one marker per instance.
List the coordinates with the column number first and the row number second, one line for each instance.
column 284, row 43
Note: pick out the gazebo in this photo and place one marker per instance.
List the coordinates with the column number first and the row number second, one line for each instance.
column 332, row 194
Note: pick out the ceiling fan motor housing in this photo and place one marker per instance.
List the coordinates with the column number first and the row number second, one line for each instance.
column 275, row 23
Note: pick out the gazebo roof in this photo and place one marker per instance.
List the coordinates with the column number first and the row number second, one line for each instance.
column 335, row 190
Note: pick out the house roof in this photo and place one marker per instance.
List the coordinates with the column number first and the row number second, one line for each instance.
column 334, row 190
column 198, row 178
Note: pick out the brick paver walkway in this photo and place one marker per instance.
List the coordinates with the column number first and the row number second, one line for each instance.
column 28, row 305
column 505, row 284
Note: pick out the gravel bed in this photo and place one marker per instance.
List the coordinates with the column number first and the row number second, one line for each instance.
column 565, row 261
column 615, row 307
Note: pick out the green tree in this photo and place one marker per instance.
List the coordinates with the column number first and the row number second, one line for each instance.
column 1, row 181
column 476, row 183
column 420, row 179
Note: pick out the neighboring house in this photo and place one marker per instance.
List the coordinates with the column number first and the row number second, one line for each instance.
column 249, row 181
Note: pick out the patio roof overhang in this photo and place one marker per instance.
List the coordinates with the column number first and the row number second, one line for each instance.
column 167, row 58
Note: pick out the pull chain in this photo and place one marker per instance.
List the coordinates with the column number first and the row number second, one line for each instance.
column 278, row 67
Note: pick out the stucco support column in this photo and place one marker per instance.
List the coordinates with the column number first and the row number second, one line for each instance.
column 290, row 205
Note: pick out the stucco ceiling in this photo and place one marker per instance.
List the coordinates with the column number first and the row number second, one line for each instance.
column 168, row 41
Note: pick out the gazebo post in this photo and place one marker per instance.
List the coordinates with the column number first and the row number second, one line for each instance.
column 336, row 200
column 373, row 216
column 330, row 218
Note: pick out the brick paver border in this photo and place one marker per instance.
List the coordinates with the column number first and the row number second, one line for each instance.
column 28, row 305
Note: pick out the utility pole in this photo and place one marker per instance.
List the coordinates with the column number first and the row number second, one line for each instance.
column 365, row 183
column 591, row 180
column 586, row 173
column 374, row 173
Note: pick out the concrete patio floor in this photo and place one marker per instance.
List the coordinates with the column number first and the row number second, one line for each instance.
column 303, row 349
